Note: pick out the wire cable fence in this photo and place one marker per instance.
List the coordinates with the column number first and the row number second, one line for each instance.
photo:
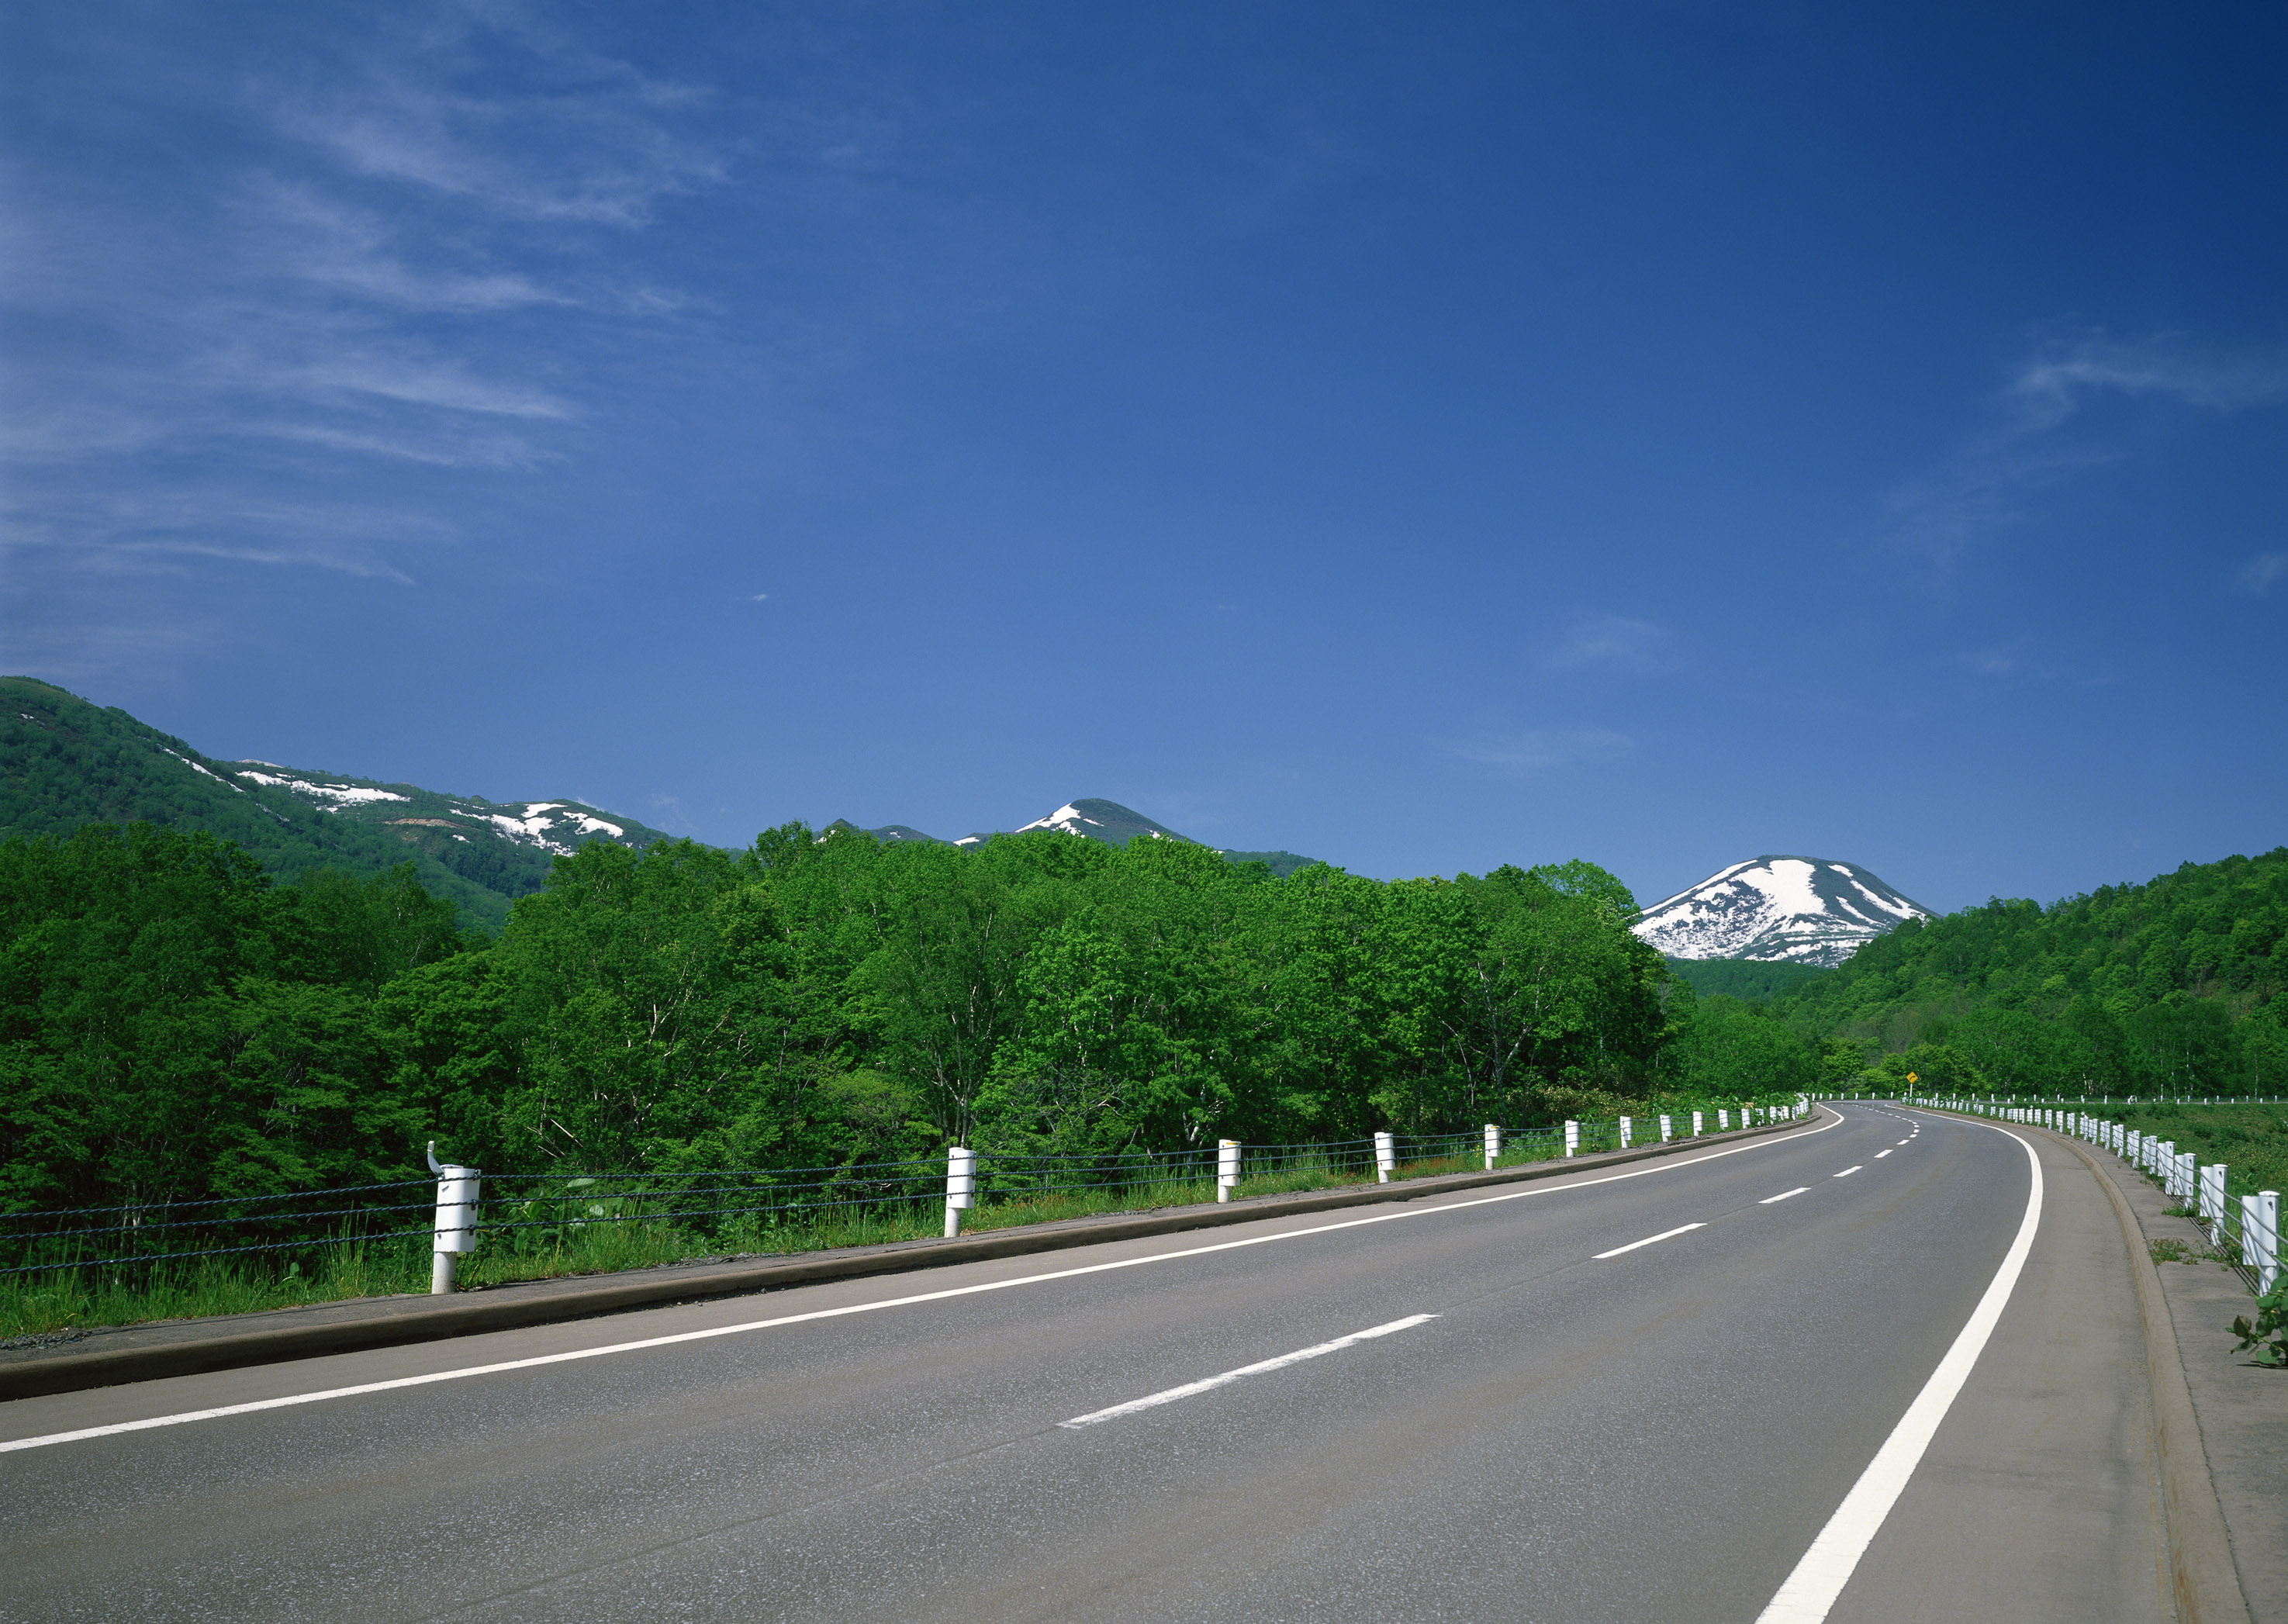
column 761, row 1209
column 2242, row 1225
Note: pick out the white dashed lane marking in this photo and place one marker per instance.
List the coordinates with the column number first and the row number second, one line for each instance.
column 1681, row 1229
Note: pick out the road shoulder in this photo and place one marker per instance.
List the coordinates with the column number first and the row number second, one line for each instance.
column 2240, row 1407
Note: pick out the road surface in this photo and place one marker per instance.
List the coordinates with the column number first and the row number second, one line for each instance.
column 1638, row 1394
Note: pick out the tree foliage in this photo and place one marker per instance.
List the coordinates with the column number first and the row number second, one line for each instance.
column 2172, row 986
column 178, row 1023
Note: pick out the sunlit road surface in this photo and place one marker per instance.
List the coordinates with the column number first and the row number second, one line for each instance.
column 1637, row 1394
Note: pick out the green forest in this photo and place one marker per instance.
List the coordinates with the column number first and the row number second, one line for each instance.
column 2167, row 988
column 1749, row 980
column 177, row 1022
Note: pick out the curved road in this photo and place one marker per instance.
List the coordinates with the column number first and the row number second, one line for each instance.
column 1552, row 1421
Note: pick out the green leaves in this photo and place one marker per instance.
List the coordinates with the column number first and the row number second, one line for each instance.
column 175, row 1023
column 2267, row 1333
column 2172, row 987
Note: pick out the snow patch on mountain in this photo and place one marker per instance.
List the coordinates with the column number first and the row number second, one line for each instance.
column 338, row 794
column 1805, row 910
column 1068, row 818
column 195, row 767
column 541, row 820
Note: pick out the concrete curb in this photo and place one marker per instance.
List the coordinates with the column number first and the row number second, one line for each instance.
column 2202, row 1572
column 473, row 1312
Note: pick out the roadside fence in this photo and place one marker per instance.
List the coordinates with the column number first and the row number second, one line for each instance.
column 2247, row 1225
column 462, row 1205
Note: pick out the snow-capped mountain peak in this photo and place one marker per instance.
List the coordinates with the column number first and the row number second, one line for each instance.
column 1069, row 817
column 1806, row 910
column 1105, row 820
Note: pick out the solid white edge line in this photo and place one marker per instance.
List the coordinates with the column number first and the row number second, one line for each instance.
column 1783, row 1195
column 1665, row 1165
column 1819, row 1578
column 1681, row 1229
column 1173, row 1393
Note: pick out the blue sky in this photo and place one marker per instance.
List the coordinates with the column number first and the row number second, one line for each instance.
column 1419, row 436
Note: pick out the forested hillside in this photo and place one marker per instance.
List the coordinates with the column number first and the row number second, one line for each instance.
column 64, row 762
column 1749, row 980
column 172, row 1021
column 2171, row 986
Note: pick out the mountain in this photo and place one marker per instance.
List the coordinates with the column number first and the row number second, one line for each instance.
column 1804, row 910
column 64, row 762
column 1106, row 820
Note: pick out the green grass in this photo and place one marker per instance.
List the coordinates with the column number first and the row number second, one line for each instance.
column 58, row 1304
column 2251, row 1140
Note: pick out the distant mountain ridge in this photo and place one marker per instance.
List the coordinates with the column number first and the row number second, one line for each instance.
column 64, row 762
column 1108, row 821
column 1801, row 910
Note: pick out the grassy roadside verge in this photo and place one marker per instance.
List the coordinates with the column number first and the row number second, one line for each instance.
column 2251, row 1140
column 43, row 1307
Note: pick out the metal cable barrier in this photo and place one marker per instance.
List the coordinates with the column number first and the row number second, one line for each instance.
column 770, row 1209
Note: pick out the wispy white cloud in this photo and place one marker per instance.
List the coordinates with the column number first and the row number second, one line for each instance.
column 2262, row 573
column 581, row 139
column 2041, row 438
column 2064, row 380
column 1539, row 749
column 2000, row 661
column 146, row 532
column 2026, row 658
column 443, row 385
column 328, row 243
column 1611, row 640
column 500, row 451
column 389, row 270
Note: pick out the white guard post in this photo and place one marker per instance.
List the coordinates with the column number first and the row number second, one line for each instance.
column 1698, row 1120
column 1572, row 1137
column 1628, row 1129
column 1493, row 1144
column 1227, row 1168
column 2259, row 1236
column 1667, row 1129
column 1724, row 1121
column 2212, row 1208
column 960, row 1186
column 1385, row 1158
column 457, row 1191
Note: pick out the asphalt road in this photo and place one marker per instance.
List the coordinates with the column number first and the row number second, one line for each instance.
column 1659, row 1433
